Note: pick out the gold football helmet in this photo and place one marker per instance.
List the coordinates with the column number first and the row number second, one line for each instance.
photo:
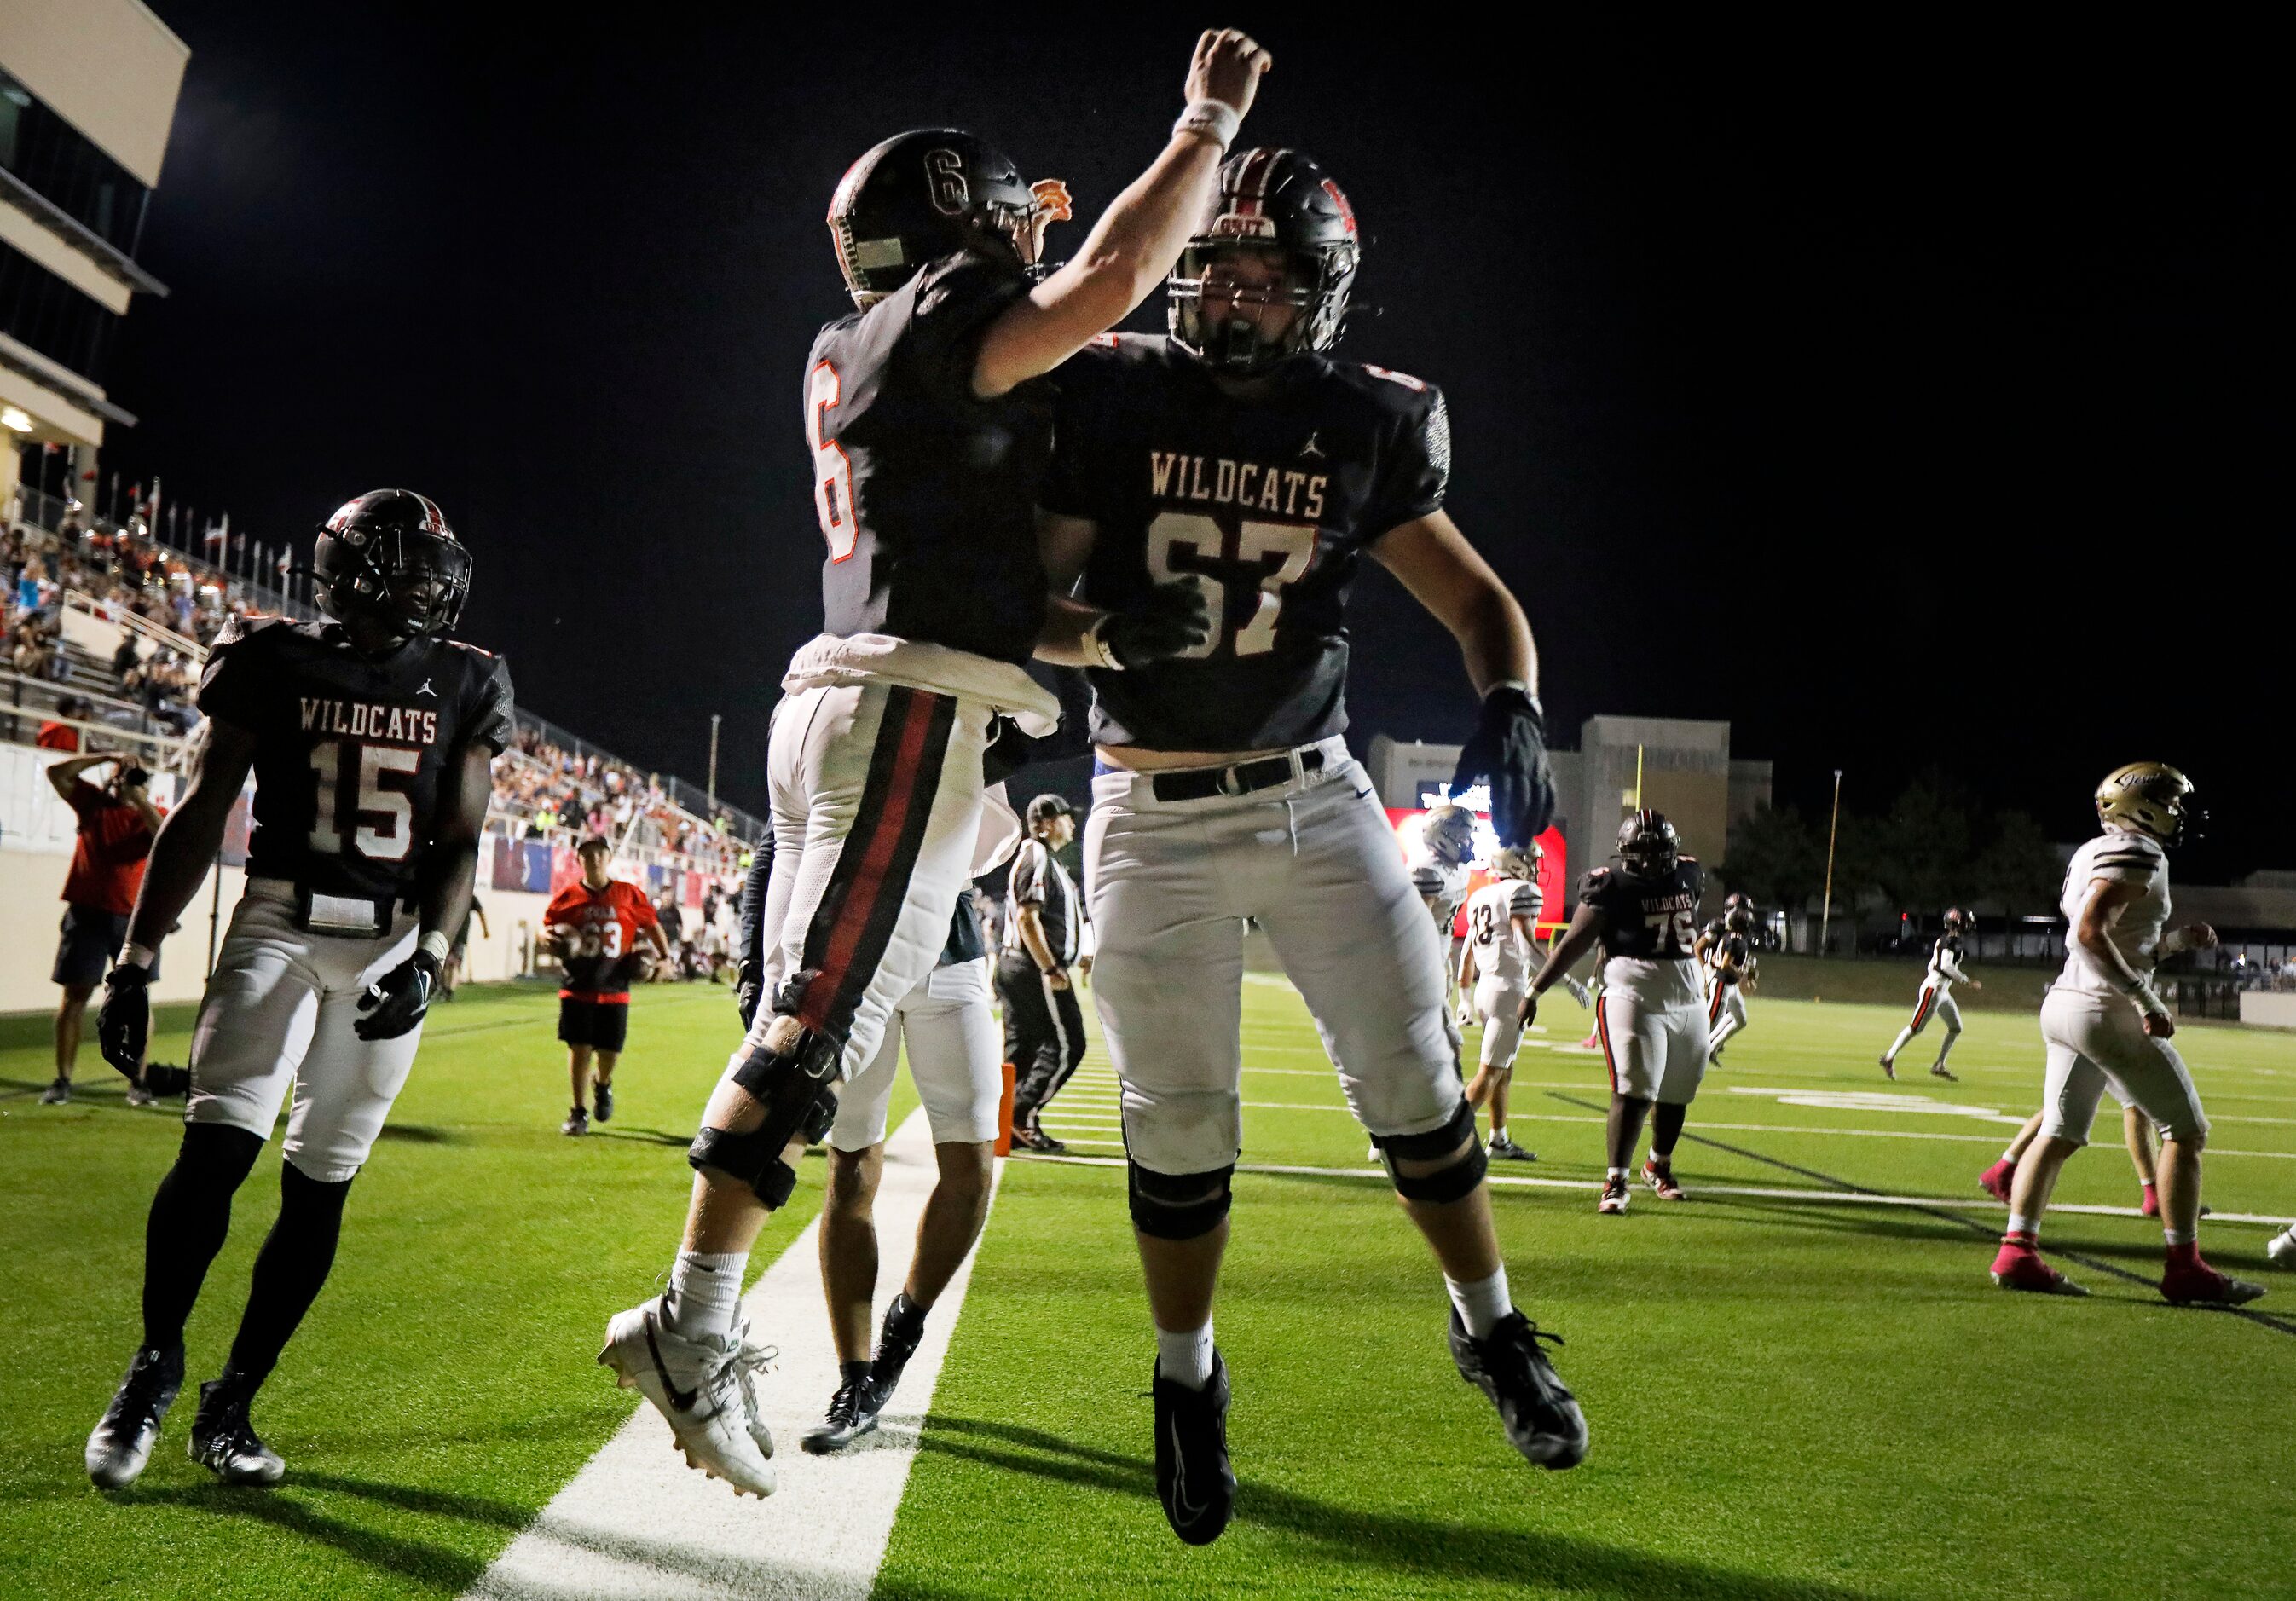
column 2151, row 796
column 1449, row 832
column 1517, row 861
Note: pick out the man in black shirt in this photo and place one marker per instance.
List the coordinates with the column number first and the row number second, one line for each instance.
column 371, row 739
column 1044, row 1028
column 929, row 434
column 1239, row 458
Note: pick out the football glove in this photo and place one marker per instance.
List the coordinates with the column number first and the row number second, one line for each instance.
column 1527, row 1012
column 1008, row 752
column 395, row 1003
column 1172, row 620
column 1508, row 751
column 123, row 1027
column 749, row 990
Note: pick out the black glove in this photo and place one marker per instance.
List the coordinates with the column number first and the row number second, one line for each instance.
column 1528, row 1013
column 1009, row 751
column 1172, row 618
column 749, row 990
column 123, row 1027
column 1508, row 750
column 395, row 1002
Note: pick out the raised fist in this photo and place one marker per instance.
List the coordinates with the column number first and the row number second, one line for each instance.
column 1227, row 67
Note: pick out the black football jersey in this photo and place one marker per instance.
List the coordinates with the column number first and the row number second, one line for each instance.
column 925, row 493
column 349, row 752
column 1732, row 948
column 1648, row 920
column 1270, row 502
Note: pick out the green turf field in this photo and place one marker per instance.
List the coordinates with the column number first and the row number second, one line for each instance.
column 1790, row 1396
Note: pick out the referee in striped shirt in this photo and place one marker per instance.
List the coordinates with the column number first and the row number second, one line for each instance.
column 1044, row 1027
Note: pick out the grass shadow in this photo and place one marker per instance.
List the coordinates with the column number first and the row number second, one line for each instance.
column 1405, row 1544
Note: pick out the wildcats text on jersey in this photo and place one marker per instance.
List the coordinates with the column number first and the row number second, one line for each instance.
column 366, row 719
column 1218, row 481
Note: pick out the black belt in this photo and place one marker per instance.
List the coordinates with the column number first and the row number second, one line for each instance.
column 1200, row 784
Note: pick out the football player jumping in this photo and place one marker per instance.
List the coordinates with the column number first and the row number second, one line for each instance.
column 1650, row 1016
column 1945, row 971
column 1237, row 456
column 1493, row 972
column 370, row 738
column 2105, row 1026
column 930, row 436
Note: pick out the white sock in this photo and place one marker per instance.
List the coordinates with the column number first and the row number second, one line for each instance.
column 1185, row 1358
column 705, row 1293
column 2018, row 1223
column 1618, row 1173
column 1480, row 1304
column 2180, row 1237
column 1904, row 1035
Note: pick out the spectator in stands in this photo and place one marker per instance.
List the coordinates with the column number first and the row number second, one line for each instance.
column 28, row 585
column 117, row 823
column 58, row 734
column 124, row 659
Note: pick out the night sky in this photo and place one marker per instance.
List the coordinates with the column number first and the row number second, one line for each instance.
column 1909, row 401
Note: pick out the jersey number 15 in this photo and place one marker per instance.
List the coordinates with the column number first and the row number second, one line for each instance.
column 373, row 799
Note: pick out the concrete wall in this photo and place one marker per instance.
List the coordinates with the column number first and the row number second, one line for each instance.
column 110, row 68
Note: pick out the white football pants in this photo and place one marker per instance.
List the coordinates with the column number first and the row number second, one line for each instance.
column 1315, row 865
column 954, row 1056
column 2097, row 1042
column 278, row 1012
column 876, row 806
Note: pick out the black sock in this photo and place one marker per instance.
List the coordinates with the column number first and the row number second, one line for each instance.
column 289, row 1270
column 191, row 1214
column 1665, row 1130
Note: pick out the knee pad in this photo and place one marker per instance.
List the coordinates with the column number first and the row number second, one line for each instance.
column 1455, row 1139
column 751, row 1158
column 1179, row 1206
column 799, row 1093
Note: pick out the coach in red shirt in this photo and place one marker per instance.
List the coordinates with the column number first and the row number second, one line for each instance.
column 117, row 823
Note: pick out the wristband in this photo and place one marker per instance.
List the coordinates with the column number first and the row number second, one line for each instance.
column 2148, row 1001
column 1521, row 688
column 138, row 955
column 1214, row 120
column 433, row 945
column 1096, row 644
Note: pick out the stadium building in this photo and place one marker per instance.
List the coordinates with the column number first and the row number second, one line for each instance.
column 87, row 95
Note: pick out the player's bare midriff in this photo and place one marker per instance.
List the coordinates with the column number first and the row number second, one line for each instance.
column 1138, row 758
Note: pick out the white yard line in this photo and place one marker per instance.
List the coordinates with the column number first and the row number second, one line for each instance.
column 1751, row 1192
column 637, row 1524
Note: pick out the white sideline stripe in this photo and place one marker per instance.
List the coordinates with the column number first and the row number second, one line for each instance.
column 1752, row 1191
column 636, row 1524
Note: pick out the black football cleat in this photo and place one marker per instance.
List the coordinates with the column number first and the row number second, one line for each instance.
column 224, row 1444
column 122, row 1441
column 897, row 1343
column 602, row 1097
column 1193, row 1478
column 1542, row 1417
column 852, row 1413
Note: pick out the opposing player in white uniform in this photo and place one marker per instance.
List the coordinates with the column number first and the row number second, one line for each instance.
column 1494, row 974
column 1730, row 964
column 1650, row 1016
column 1936, row 999
column 929, row 432
column 2106, row 1026
column 1448, row 833
column 1236, row 453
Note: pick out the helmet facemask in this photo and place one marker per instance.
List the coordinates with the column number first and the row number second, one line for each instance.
column 411, row 581
column 1244, row 306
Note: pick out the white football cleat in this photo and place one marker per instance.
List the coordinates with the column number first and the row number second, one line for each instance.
column 2283, row 1248
column 703, row 1387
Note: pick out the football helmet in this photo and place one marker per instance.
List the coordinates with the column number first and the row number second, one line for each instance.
column 1956, row 921
column 1449, row 832
column 1739, row 919
column 2152, row 798
column 926, row 193
column 1278, row 204
column 1648, row 845
column 389, row 556
column 1517, row 861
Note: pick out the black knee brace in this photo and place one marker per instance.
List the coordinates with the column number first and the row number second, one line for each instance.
column 1456, row 1139
column 1179, row 1206
column 798, row 1094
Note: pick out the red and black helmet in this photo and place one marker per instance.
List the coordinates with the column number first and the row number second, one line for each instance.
column 930, row 192
column 1956, row 921
column 1648, row 845
column 389, row 556
column 1271, row 202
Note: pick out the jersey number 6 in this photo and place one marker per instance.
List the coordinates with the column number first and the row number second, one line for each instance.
column 1174, row 534
column 832, row 472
